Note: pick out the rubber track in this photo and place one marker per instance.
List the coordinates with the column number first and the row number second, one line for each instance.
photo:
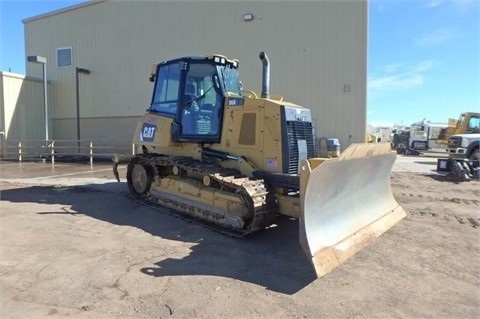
column 227, row 179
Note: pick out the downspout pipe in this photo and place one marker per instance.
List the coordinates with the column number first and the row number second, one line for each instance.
column 265, row 75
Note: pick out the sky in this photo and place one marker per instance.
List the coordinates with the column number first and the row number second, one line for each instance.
column 423, row 56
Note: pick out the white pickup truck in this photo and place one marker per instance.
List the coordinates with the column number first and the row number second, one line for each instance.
column 464, row 146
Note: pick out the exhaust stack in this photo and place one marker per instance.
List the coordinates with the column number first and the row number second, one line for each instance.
column 265, row 75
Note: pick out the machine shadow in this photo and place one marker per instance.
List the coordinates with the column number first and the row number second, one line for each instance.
column 272, row 258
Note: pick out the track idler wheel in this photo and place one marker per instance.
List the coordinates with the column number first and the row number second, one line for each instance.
column 139, row 177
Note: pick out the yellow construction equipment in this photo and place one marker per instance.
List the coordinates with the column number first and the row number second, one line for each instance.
column 467, row 123
column 232, row 160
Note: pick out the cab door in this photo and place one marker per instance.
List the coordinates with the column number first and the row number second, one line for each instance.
column 201, row 105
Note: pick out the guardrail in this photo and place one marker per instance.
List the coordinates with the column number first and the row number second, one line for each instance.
column 64, row 150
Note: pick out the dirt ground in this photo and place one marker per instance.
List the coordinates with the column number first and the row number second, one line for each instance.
column 91, row 252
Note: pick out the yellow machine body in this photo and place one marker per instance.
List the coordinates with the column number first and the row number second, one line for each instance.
column 251, row 157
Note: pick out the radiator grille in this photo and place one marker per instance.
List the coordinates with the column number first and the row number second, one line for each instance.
column 298, row 130
column 454, row 141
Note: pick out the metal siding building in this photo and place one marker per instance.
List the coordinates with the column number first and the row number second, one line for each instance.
column 21, row 107
column 317, row 49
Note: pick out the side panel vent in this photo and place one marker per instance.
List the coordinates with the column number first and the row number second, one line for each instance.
column 64, row 57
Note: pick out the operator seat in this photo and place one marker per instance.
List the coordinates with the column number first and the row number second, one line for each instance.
column 190, row 95
column 210, row 112
column 190, row 116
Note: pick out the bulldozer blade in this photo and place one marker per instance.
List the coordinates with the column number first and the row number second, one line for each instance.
column 346, row 204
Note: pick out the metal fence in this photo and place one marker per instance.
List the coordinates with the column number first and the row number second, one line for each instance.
column 63, row 150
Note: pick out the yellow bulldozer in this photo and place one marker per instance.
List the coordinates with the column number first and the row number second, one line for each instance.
column 233, row 160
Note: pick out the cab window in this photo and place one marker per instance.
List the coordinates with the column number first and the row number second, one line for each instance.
column 202, row 100
column 474, row 122
column 165, row 96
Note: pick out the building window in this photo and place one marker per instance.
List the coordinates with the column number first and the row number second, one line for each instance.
column 64, row 57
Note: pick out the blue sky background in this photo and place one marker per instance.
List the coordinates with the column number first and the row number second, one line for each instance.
column 423, row 55
column 423, row 60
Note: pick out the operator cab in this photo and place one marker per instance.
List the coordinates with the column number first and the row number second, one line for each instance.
column 192, row 92
column 470, row 121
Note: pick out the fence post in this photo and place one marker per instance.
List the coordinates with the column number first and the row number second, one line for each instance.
column 19, row 152
column 3, row 145
column 91, row 153
column 53, row 153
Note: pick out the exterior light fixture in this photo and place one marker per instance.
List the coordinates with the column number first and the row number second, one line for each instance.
column 247, row 17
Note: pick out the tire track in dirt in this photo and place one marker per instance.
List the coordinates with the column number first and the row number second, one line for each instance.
column 411, row 200
column 462, row 220
column 462, row 201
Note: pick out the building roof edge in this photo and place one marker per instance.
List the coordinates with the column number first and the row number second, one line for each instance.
column 63, row 10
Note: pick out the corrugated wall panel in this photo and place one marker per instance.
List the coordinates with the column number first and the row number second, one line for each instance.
column 23, row 107
column 2, row 108
column 315, row 47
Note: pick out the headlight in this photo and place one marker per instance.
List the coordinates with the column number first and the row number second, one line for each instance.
column 464, row 142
